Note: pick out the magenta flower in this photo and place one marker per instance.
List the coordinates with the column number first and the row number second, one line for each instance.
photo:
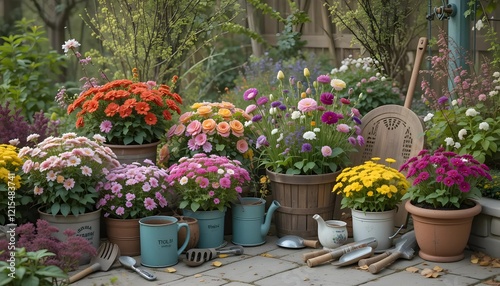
column 120, row 211
column 326, row 98
column 216, row 201
column 330, row 117
column 324, row 79
column 225, row 182
column 262, row 100
column 150, row 204
column 250, row 93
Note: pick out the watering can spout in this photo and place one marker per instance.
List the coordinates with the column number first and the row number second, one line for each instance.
column 264, row 228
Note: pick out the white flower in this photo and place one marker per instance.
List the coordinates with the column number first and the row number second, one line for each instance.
column 220, row 171
column 428, row 117
column 343, row 68
column 338, row 84
column 457, row 145
column 272, row 110
column 70, row 44
column 274, row 131
column 454, row 102
column 248, row 123
column 296, row 114
column 183, row 180
column 309, row 135
column 383, row 78
column 449, row 141
column 461, row 134
column 471, row 112
column 484, row 126
column 316, row 130
column 14, row 142
column 280, row 138
column 479, row 25
column 496, row 74
column 493, row 93
column 32, row 137
column 271, row 96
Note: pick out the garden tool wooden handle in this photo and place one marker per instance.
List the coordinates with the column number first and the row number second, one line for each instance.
column 311, row 243
column 377, row 266
column 320, row 259
column 87, row 271
column 371, row 260
column 422, row 44
column 313, row 254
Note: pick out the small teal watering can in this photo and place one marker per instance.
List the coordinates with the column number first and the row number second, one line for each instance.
column 251, row 223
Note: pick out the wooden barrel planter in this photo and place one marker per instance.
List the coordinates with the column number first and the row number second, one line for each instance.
column 301, row 197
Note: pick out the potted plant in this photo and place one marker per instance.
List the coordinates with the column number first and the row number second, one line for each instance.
column 304, row 134
column 441, row 203
column 465, row 119
column 126, row 112
column 206, row 186
column 372, row 191
column 63, row 172
column 128, row 193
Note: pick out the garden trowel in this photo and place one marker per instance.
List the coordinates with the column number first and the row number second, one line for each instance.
column 405, row 248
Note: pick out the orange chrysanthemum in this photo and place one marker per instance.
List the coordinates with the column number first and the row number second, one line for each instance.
column 112, row 109
column 79, row 122
column 150, row 119
column 92, row 106
column 172, row 105
column 142, row 108
column 167, row 115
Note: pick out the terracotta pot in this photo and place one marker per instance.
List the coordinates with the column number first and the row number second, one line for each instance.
column 125, row 233
column 442, row 235
column 194, row 232
column 127, row 154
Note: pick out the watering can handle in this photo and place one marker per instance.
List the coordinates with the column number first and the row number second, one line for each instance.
column 186, row 240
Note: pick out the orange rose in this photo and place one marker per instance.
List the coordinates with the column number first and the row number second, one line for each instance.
column 226, row 104
column 224, row 112
column 196, row 105
column 184, row 118
column 223, row 129
column 204, row 110
column 209, row 126
column 237, row 128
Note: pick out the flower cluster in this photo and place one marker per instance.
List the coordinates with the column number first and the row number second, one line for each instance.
column 304, row 130
column 211, row 128
column 207, row 182
column 444, row 179
column 124, row 111
column 64, row 171
column 367, row 82
column 465, row 118
column 68, row 253
column 371, row 186
column 133, row 191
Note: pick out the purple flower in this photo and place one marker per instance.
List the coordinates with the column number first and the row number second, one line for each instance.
column 330, row 117
column 352, row 141
column 275, row 103
column 250, row 93
column 262, row 100
column 261, row 141
column 106, row 126
column 356, row 119
column 257, row 118
column 442, row 100
column 361, row 140
column 325, row 79
column 282, row 107
column 326, row 98
column 306, row 147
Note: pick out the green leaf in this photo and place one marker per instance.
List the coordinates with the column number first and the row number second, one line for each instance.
column 52, row 271
column 55, row 208
column 65, row 209
column 195, row 206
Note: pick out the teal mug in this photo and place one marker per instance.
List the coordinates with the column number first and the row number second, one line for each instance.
column 159, row 240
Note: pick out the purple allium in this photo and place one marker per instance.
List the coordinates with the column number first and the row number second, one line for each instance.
column 306, row 147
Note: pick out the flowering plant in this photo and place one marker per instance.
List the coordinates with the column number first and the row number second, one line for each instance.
column 207, row 182
column 371, row 186
column 133, row 191
column 367, row 82
column 304, row 130
column 211, row 128
column 465, row 119
column 125, row 111
column 444, row 179
column 65, row 170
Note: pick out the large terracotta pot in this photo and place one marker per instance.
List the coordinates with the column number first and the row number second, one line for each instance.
column 125, row 233
column 127, row 154
column 442, row 235
column 301, row 197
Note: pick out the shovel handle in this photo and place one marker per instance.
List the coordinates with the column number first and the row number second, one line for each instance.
column 371, row 260
column 311, row 243
column 313, row 254
column 89, row 270
column 377, row 266
column 320, row 259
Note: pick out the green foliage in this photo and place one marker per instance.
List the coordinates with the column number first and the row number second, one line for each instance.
column 491, row 189
column 28, row 69
column 28, row 269
column 156, row 36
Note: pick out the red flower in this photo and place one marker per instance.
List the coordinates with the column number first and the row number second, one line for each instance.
column 142, row 108
column 151, row 119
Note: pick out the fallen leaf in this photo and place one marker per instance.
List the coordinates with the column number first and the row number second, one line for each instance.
column 436, row 274
column 437, row 269
column 364, row 267
column 217, row 263
column 492, row 282
column 427, row 272
column 495, row 264
column 223, row 255
column 170, row 270
column 266, row 255
column 474, row 259
column 197, row 275
column 413, row 269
